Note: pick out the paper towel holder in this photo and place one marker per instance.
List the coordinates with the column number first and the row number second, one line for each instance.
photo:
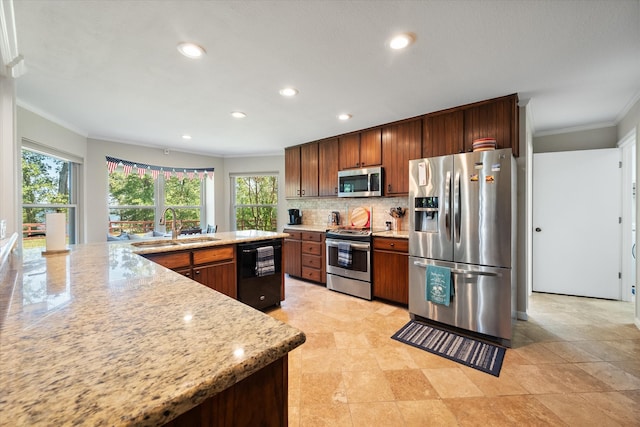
column 55, row 234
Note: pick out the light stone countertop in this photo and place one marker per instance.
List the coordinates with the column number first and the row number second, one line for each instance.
column 102, row 336
column 307, row 227
column 402, row 234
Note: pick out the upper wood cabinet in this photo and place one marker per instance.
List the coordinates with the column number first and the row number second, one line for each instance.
column 292, row 171
column 328, row 167
column 400, row 143
column 301, row 170
column 443, row 133
column 349, row 157
column 495, row 118
column 371, row 148
column 361, row 150
column 309, row 170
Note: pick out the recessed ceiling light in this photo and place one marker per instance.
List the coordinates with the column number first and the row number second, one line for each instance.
column 288, row 91
column 185, row 136
column 191, row 50
column 238, row 114
column 401, row 41
column 344, row 117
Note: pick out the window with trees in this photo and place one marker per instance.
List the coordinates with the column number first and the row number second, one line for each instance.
column 138, row 200
column 255, row 202
column 48, row 185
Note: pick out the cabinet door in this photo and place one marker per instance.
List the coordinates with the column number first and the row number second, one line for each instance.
column 400, row 143
column 443, row 134
column 309, row 169
column 328, row 167
column 497, row 118
column 220, row 277
column 292, row 171
column 349, row 157
column 179, row 260
column 292, row 256
column 391, row 282
column 371, row 148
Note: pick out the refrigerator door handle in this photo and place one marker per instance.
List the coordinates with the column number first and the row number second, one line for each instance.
column 456, row 208
column 447, row 205
column 466, row 272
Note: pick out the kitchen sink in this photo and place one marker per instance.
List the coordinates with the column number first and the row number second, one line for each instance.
column 171, row 242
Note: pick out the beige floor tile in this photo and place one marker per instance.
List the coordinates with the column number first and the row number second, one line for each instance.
column 615, row 405
column 575, row 410
column 330, row 415
column 502, row 411
column 575, row 362
column 321, row 360
column 394, row 356
column 570, row 352
column 611, row 375
column 410, row 384
column 358, row 359
column 504, row 385
column 451, row 382
column 367, row 386
column 422, row 413
column 322, row 388
column 375, row 414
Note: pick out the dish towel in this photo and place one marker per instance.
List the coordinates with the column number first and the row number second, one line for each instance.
column 344, row 254
column 439, row 287
column 265, row 264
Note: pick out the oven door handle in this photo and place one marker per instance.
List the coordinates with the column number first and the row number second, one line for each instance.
column 364, row 247
column 456, row 271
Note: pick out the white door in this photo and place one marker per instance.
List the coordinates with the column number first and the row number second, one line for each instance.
column 577, row 234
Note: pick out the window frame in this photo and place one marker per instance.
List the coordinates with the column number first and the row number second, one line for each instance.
column 233, row 197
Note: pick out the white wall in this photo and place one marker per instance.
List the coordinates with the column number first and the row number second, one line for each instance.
column 259, row 165
column 592, row 139
column 9, row 210
column 96, row 177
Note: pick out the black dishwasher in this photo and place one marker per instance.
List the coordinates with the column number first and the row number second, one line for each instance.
column 259, row 291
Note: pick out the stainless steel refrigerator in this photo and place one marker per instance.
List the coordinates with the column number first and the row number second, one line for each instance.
column 462, row 218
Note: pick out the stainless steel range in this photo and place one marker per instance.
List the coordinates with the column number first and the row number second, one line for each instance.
column 349, row 262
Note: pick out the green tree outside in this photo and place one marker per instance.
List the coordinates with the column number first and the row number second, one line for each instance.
column 256, row 202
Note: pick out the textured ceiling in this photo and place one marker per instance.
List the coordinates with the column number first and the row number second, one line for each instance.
column 110, row 69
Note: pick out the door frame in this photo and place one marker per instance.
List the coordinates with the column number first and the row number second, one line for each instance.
column 627, row 146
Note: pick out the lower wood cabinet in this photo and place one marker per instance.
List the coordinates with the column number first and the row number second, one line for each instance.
column 305, row 255
column 214, row 267
column 391, row 269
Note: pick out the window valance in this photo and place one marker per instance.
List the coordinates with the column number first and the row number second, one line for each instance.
column 142, row 169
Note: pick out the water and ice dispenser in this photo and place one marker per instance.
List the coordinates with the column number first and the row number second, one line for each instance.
column 426, row 211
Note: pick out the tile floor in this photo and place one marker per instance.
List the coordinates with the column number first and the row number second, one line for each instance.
column 575, row 362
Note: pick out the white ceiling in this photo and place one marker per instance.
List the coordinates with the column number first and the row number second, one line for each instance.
column 110, row 69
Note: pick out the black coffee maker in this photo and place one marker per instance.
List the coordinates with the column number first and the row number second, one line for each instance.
column 294, row 217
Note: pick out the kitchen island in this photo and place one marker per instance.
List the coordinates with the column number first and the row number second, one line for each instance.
column 103, row 336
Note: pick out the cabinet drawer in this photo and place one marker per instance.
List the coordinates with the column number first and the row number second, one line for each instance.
column 311, row 274
column 212, row 255
column 388, row 244
column 311, row 236
column 313, row 261
column 293, row 235
column 311, row 248
column 175, row 260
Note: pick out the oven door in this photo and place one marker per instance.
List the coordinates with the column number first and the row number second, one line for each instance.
column 360, row 268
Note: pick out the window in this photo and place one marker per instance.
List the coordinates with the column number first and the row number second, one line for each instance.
column 255, row 202
column 48, row 185
column 138, row 200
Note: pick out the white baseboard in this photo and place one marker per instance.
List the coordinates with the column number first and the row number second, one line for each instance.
column 522, row 315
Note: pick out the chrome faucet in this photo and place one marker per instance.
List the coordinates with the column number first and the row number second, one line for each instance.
column 163, row 221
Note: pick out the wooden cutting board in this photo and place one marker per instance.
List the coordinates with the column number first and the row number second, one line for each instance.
column 360, row 217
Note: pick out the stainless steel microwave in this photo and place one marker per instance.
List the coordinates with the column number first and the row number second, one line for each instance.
column 360, row 182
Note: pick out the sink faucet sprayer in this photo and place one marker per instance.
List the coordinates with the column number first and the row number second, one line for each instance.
column 163, row 221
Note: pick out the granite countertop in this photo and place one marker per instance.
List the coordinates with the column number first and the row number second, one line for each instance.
column 156, row 244
column 402, row 234
column 102, row 336
column 307, row 227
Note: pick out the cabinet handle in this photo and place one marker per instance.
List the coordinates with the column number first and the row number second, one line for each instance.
column 303, row 192
column 197, row 271
column 389, row 188
column 336, row 190
column 298, row 192
column 357, row 164
column 393, row 244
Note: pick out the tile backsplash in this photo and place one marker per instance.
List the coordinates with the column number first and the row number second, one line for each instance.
column 315, row 212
